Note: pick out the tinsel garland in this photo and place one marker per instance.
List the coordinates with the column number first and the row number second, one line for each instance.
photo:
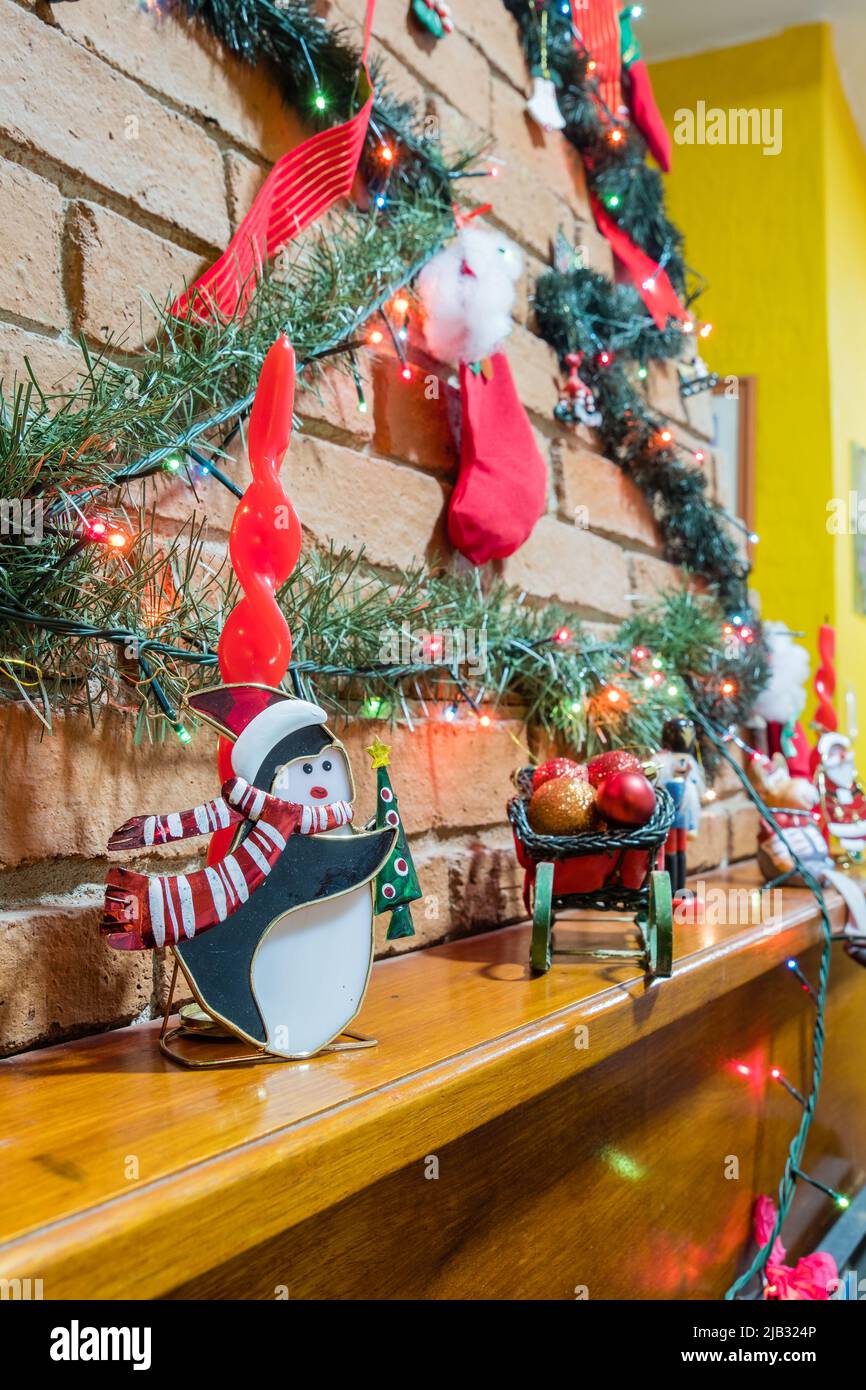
column 384, row 648
column 579, row 311
column 616, row 172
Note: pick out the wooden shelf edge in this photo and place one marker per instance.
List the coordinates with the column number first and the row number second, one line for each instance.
column 250, row 1192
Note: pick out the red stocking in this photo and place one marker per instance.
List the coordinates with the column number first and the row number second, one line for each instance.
column 502, row 488
column 646, row 115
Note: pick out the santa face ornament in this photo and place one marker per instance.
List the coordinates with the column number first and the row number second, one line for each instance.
column 276, row 938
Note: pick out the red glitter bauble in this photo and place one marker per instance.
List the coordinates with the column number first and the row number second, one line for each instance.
column 557, row 767
column 626, row 798
column 606, row 764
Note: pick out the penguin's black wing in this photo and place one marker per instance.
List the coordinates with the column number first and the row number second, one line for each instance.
column 310, row 868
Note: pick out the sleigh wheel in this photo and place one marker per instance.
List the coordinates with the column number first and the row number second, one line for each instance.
column 660, row 926
column 542, row 920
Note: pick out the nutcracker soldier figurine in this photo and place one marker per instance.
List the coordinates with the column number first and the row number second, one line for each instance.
column 681, row 775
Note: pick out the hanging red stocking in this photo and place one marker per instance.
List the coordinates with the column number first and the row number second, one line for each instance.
column 641, row 101
column 502, row 488
column 468, row 292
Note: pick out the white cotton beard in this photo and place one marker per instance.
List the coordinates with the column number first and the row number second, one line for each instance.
column 784, row 698
column 469, row 314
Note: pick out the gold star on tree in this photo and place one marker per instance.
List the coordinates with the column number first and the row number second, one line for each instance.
column 379, row 753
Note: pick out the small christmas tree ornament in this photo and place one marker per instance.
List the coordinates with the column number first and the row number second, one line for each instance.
column 577, row 404
column 434, row 16
column 543, row 106
column 397, row 882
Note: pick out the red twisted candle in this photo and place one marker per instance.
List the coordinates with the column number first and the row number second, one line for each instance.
column 264, row 545
column 825, row 680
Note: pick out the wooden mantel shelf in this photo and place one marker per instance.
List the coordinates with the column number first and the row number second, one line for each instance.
column 126, row 1176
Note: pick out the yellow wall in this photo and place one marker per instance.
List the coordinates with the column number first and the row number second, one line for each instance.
column 782, row 241
column 845, row 194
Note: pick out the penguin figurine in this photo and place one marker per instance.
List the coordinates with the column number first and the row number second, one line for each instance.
column 275, row 939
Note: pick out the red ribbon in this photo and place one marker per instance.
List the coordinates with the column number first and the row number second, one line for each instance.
column 302, row 185
column 654, row 287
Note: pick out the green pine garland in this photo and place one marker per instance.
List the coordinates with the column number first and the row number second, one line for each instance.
column 580, row 311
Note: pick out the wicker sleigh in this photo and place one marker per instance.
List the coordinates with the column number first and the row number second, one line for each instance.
column 609, row 871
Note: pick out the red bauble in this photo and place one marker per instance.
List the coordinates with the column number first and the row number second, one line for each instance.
column 606, row 764
column 626, row 798
column 557, row 767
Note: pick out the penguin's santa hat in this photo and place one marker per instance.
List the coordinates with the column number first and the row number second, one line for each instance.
column 269, row 728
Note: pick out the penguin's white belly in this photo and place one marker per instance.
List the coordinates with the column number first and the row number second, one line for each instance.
column 310, row 971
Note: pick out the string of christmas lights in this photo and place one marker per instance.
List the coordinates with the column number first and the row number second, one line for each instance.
column 793, row 1171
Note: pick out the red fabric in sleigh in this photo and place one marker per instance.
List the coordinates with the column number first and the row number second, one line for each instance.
column 502, row 488
column 587, row 873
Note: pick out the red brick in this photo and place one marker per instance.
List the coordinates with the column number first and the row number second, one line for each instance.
column 447, row 776
column 525, row 207
column 452, row 66
column 710, row 846
column 547, row 154
column 31, row 247
column 663, row 389
column 79, row 785
column 561, row 561
column 467, row 885
column 56, row 363
column 185, row 63
column 124, row 271
column 244, row 178
column 330, row 407
column 412, row 418
column 652, row 576
column 498, row 38
column 615, row 505
column 340, row 496
column 58, row 978
column 535, row 371
column 524, row 311
column 743, row 822
column 597, row 253
column 63, row 103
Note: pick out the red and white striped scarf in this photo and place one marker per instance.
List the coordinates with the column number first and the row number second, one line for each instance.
column 151, row 910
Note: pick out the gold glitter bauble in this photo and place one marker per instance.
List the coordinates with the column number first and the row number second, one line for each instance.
column 562, row 806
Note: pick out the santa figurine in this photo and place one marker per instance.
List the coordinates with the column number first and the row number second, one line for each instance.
column 276, row 937
column 681, row 775
column 843, row 802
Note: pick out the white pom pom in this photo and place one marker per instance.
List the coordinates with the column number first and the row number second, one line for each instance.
column 784, row 698
column 468, row 295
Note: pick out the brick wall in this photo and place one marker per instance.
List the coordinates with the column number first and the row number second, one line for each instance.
column 129, row 147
